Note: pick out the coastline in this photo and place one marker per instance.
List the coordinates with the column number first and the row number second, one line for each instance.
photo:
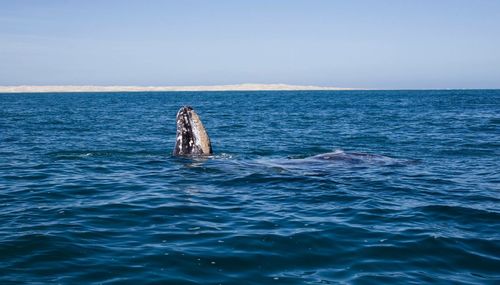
column 232, row 87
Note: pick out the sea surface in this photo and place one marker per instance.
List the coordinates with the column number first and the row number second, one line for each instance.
column 408, row 191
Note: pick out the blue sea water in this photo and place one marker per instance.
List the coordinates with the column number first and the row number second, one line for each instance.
column 90, row 193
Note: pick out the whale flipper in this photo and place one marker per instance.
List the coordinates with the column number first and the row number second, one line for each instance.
column 192, row 138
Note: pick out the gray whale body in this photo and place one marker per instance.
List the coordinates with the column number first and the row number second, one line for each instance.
column 191, row 137
column 192, row 140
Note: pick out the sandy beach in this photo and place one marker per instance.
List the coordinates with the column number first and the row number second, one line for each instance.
column 90, row 88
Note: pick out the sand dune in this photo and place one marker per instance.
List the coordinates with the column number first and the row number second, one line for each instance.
column 88, row 88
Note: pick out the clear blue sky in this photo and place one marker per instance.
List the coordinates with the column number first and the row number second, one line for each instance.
column 371, row 44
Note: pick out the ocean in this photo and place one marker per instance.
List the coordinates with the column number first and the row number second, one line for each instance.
column 90, row 191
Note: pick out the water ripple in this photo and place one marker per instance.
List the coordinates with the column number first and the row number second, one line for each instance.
column 371, row 187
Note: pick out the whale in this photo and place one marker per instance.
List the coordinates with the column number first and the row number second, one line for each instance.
column 192, row 140
column 191, row 136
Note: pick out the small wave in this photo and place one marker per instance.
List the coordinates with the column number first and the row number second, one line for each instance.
column 103, row 154
column 222, row 156
column 458, row 211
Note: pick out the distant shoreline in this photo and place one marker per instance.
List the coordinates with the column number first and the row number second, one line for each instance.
column 234, row 87
column 201, row 88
